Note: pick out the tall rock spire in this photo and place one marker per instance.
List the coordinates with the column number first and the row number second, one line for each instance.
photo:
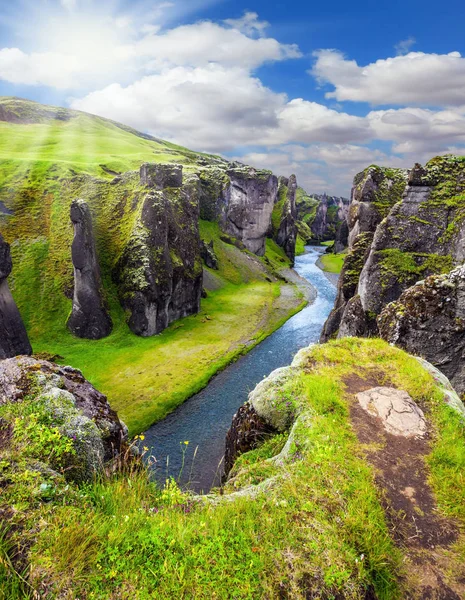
column 89, row 317
column 13, row 336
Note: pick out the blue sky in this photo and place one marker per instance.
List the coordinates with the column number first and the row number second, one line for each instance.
column 320, row 89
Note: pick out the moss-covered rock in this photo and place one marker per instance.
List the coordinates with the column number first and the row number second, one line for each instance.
column 428, row 319
column 159, row 273
column 58, row 418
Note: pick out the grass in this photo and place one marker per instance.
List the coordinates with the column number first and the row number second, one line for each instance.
column 332, row 263
column 319, row 530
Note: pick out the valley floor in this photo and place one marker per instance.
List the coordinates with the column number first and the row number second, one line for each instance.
column 146, row 378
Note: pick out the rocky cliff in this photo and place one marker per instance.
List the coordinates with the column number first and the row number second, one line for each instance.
column 330, row 213
column 284, row 216
column 428, row 320
column 403, row 227
column 13, row 336
column 89, row 317
column 159, row 273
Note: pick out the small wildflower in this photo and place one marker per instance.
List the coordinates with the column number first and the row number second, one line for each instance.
column 186, row 442
column 146, row 449
column 142, row 437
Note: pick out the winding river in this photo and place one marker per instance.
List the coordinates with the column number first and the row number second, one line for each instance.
column 204, row 419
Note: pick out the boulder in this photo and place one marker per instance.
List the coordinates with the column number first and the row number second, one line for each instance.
column 428, row 319
column 396, row 409
column 13, row 335
column 89, row 317
column 208, row 255
column 68, row 402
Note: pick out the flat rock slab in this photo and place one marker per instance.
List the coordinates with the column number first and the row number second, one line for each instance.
column 396, row 409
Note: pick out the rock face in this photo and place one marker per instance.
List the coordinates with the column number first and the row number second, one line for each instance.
column 403, row 228
column 159, row 273
column 286, row 234
column 396, row 409
column 249, row 201
column 248, row 430
column 72, row 405
column 429, row 320
column 13, row 336
column 89, row 317
column 331, row 212
column 241, row 200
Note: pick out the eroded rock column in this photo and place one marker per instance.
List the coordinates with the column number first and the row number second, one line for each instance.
column 13, row 336
column 89, row 317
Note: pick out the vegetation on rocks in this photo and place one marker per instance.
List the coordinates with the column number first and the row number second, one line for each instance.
column 303, row 514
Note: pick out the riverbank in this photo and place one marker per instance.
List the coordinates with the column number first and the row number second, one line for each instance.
column 204, row 419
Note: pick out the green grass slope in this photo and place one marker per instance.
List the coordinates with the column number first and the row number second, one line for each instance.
column 48, row 157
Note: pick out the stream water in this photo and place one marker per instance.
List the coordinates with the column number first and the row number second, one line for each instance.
column 204, row 419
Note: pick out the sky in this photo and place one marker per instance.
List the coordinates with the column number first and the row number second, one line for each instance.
column 319, row 89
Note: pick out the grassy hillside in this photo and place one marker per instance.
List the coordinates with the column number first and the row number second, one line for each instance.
column 316, row 522
column 48, row 157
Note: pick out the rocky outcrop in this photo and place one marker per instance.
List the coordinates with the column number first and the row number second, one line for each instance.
column 396, row 242
column 159, row 273
column 266, row 412
column 248, row 430
column 249, row 201
column 207, row 252
column 429, row 320
column 241, row 200
column 89, row 317
column 13, row 336
column 331, row 212
column 286, row 234
column 374, row 192
column 69, row 405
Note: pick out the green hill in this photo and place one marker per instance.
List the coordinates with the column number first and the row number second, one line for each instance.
column 49, row 157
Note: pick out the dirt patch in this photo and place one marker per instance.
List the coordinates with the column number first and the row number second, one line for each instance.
column 401, row 475
column 6, row 433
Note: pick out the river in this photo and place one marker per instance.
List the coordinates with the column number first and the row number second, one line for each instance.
column 204, row 419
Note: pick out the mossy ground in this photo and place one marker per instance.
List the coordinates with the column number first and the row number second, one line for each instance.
column 318, row 531
column 332, row 263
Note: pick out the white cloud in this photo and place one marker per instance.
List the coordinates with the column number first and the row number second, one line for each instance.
column 217, row 108
column 78, row 51
column 248, row 24
column 404, row 46
column 207, row 108
column 415, row 78
column 206, row 42
column 69, row 4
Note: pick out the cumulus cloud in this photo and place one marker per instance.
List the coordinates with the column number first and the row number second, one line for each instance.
column 216, row 108
column 82, row 49
column 416, row 78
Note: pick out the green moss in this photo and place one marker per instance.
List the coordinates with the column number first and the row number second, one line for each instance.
column 332, row 263
column 410, row 266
